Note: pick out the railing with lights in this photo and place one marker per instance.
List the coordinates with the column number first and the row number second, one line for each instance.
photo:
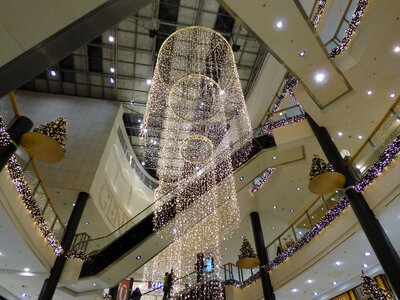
column 387, row 130
column 9, row 110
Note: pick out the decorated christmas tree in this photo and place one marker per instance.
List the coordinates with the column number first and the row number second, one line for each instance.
column 372, row 291
column 4, row 137
column 319, row 166
column 56, row 129
column 246, row 251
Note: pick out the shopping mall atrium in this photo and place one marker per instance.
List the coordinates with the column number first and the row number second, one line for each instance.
column 248, row 147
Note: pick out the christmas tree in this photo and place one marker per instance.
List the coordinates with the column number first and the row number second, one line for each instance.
column 372, row 290
column 4, row 137
column 246, row 251
column 56, row 129
column 319, row 166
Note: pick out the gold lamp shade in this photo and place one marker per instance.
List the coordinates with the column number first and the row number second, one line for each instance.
column 248, row 262
column 42, row 147
column 326, row 183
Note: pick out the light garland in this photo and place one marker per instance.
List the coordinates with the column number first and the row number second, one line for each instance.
column 15, row 171
column 195, row 117
column 349, row 33
column 78, row 254
column 320, row 9
column 269, row 126
column 4, row 136
column 263, row 179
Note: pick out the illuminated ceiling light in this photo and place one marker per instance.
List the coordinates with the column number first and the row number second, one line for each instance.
column 359, row 166
column 367, row 253
column 273, row 227
column 396, row 49
column 279, row 24
column 138, row 257
column 319, row 77
column 298, row 189
column 73, row 204
column 241, row 178
column 94, row 284
column 369, row 93
column 111, row 39
column 300, row 232
column 1, row 253
column 292, row 210
column 302, row 53
column 338, row 263
column 310, row 281
column 23, row 295
column 340, row 133
column 274, row 207
column 315, row 294
column 112, row 80
column 148, row 81
column 273, row 157
column 112, row 70
column 26, row 269
column 221, row 92
column 86, row 223
column 143, row 163
column 53, row 73
column 392, row 95
column 295, row 290
column 334, row 283
column 365, row 266
column 360, row 137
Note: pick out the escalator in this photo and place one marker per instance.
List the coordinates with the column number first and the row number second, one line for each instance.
column 112, row 249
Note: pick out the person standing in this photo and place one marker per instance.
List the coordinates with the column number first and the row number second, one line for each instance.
column 199, row 267
column 166, row 289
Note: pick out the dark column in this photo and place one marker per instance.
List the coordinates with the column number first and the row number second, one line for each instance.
column 376, row 236
column 262, row 256
column 50, row 284
column 20, row 126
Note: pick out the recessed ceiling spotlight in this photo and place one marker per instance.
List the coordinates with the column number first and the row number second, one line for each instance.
column 369, row 93
column 292, row 210
column 26, row 269
column 280, row 114
column 392, row 95
column 302, row 53
column 73, row 204
column 334, row 283
column 320, row 77
column 365, row 265
column 310, row 281
column 396, row 49
column 273, row 157
column 111, row 80
column 340, row 133
column 360, row 137
column 111, row 39
column 295, row 290
column 300, row 233
column 241, row 178
column 86, row 223
column 298, row 189
column 273, row 227
column 148, row 81
column 143, row 163
column 315, row 294
column 338, row 263
column 23, row 295
column 279, row 24
column 112, row 70
column 53, row 73
column 94, row 284
column 138, row 257
column 274, row 207
column 1, row 253
column 367, row 253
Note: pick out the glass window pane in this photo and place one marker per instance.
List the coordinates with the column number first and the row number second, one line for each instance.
column 274, row 250
column 302, row 227
column 317, row 211
column 40, row 198
column 58, row 230
column 49, row 215
column 288, row 238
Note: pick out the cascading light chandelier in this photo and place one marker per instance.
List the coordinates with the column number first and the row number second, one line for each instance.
column 195, row 119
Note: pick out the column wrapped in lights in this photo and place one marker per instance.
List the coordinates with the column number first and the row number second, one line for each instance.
column 195, row 119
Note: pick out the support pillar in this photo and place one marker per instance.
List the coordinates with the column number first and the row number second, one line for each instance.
column 262, row 256
column 20, row 126
column 380, row 243
column 50, row 284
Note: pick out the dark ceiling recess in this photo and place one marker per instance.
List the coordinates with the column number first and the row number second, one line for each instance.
column 168, row 12
column 95, row 55
column 224, row 23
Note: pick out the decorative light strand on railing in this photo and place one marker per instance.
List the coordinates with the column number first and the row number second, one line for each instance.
column 4, row 136
column 263, row 179
column 78, row 254
column 349, row 33
column 17, row 176
column 320, row 9
column 268, row 127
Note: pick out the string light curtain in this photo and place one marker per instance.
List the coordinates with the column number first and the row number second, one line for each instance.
column 195, row 119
